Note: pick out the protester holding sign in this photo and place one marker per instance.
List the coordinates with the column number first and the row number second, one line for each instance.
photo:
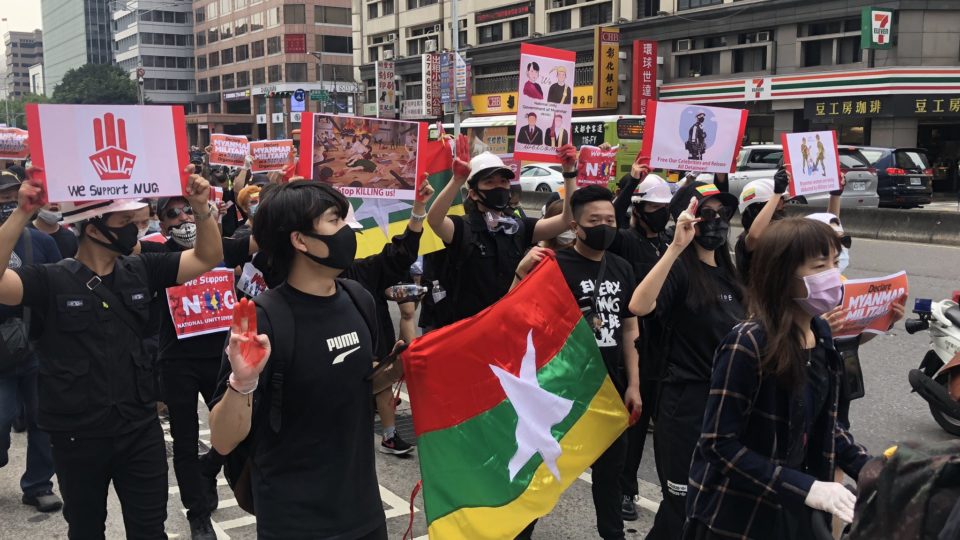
column 813, row 160
column 693, row 137
column 228, row 150
column 761, row 203
column 98, row 392
column 543, row 125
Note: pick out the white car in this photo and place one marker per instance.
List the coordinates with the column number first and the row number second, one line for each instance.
column 543, row 177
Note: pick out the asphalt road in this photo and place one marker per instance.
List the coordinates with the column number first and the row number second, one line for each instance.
column 888, row 414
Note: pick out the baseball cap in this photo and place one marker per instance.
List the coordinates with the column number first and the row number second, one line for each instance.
column 653, row 189
column 484, row 165
column 164, row 201
column 8, row 180
column 79, row 211
column 829, row 219
column 702, row 192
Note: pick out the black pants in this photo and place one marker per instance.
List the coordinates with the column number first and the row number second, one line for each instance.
column 636, row 440
column 182, row 380
column 675, row 436
column 136, row 462
column 605, row 473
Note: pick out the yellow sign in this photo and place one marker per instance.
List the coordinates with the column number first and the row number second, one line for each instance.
column 506, row 102
column 606, row 66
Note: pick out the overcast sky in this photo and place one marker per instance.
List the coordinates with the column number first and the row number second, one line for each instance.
column 21, row 15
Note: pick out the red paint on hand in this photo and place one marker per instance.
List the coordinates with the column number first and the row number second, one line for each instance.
column 245, row 325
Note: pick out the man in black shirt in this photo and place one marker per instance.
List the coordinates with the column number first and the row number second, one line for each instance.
column 602, row 283
column 48, row 221
column 313, row 468
column 97, row 390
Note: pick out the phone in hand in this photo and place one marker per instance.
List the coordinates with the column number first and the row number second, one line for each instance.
column 387, row 361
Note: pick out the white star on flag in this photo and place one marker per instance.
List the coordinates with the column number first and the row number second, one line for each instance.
column 380, row 210
column 538, row 411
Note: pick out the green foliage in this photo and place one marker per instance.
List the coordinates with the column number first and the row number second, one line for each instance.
column 96, row 84
column 15, row 107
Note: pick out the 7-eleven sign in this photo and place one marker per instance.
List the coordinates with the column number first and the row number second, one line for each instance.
column 876, row 28
column 757, row 89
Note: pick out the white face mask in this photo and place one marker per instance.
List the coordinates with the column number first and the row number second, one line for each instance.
column 567, row 237
column 142, row 232
column 185, row 235
column 153, row 225
column 844, row 260
column 50, row 218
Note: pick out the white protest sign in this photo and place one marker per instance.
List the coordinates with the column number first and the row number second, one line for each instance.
column 813, row 160
column 688, row 137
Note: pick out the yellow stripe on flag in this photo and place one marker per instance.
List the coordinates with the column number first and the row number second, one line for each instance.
column 604, row 421
column 372, row 240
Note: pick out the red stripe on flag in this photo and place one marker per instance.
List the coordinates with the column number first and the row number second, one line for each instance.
column 448, row 371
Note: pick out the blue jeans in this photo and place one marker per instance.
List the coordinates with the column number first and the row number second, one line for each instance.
column 20, row 387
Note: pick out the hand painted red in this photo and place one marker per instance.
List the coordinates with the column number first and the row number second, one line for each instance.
column 245, row 325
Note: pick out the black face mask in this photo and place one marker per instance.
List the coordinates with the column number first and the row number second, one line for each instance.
column 341, row 244
column 598, row 237
column 656, row 220
column 124, row 238
column 713, row 234
column 495, row 199
column 6, row 210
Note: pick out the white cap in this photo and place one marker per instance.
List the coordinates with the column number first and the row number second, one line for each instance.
column 706, row 178
column 758, row 191
column 79, row 211
column 829, row 219
column 488, row 164
column 653, row 189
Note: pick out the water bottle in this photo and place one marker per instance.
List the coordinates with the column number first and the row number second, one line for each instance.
column 406, row 291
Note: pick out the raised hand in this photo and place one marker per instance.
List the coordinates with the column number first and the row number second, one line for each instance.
column 32, row 196
column 686, row 223
column 781, row 181
column 568, row 157
column 461, row 163
column 247, row 351
column 198, row 189
column 426, row 191
column 640, row 168
column 533, row 258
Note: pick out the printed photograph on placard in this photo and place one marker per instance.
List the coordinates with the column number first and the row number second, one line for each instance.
column 545, row 106
column 813, row 161
column 691, row 137
column 366, row 157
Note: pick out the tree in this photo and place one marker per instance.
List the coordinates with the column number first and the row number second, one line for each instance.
column 96, row 84
column 15, row 108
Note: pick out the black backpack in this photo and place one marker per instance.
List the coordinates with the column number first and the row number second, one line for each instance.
column 238, row 463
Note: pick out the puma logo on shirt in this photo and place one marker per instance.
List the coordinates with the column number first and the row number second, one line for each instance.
column 342, row 342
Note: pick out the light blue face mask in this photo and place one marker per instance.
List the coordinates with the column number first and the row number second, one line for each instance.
column 844, row 260
column 253, row 209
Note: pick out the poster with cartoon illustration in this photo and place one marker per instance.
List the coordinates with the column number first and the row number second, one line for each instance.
column 362, row 157
column 813, row 160
column 688, row 137
column 545, row 108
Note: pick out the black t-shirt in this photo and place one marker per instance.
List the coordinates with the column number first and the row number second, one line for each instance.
column 209, row 346
column 641, row 252
column 695, row 332
column 488, row 267
column 743, row 258
column 612, row 301
column 317, row 478
column 66, row 241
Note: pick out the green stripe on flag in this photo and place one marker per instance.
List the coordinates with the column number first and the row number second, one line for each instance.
column 467, row 465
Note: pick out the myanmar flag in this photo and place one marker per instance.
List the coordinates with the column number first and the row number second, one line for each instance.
column 510, row 407
column 382, row 219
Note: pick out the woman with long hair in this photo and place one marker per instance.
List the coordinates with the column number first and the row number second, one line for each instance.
column 694, row 295
column 771, row 440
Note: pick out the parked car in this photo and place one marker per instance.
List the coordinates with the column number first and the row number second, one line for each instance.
column 543, row 177
column 762, row 161
column 904, row 175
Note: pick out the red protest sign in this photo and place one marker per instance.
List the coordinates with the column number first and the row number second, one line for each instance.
column 269, row 156
column 203, row 305
column 595, row 166
column 867, row 303
column 228, row 150
column 156, row 238
column 13, row 143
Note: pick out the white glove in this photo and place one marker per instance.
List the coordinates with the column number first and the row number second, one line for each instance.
column 832, row 497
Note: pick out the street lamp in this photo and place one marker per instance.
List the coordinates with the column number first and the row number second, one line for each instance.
column 319, row 56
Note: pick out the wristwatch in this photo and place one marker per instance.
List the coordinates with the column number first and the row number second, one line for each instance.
column 569, row 174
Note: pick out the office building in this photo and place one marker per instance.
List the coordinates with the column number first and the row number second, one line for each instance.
column 36, row 79
column 77, row 32
column 23, row 49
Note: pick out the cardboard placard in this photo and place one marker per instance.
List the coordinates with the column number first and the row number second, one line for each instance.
column 228, row 150
column 13, row 143
column 251, row 282
column 270, row 156
column 545, row 106
column 688, row 137
column 98, row 152
column 510, row 161
column 868, row 303
column 814, row 161
column 595, row 166
column 203, row 305
column 363, row 157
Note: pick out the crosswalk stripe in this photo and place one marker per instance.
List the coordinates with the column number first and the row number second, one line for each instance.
column 236, row 523
column 642, row 502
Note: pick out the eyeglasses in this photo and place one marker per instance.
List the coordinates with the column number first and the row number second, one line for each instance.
column 846, row 241
column 174, row 213
column 709, row 214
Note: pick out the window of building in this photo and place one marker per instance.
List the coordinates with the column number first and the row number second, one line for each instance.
column 414, row 4
column 201, row 62
column 754, row 37
column 214, row 59
column 211, row 11
column 752, row 59
column 202, row 86
column 690, row 4
column 816, row 52
column 695, row 65
column 331, row 15
column 559, row 21
column 243, row 79
column 225, row 7
column 213, row 35
column 373, row 54
column 242, row 52
column 259, row 76
column 256, row 49
column 596, row 14
column 273, row 17
column 294, row 14
column 229, row 81
column 242, row 27
column 824, row 28
column 201, row 39
column 199, row 15
column 226, row 56
column 273, row 74
column 214, row 84
column 296, row 73
column 373, row 10
column 239, row 4
column 849, row 51
column 335, row 72
column 387, row 7
column 226, row 30
column 490, row 33
column 334, row 44
column 273, row 45
column 520, row 28
column 256, row 22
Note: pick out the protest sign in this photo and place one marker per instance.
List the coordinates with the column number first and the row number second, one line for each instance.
column 156, row 238
column 97, row 152
column 868, row 303
column 362, row 157
column 514, row 165
column 813, row 161
column 269, row 156
column 13, row 143
column 228, row 150
column 545, row 107
column 687, row 137
column 596, row 166
column 251, row 282
column 203, row 305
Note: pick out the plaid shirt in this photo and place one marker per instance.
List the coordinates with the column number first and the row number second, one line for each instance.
column 739, row 480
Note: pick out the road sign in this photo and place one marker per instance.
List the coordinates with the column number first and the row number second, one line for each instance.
column 296, row 101
column 319, row 95
column 141, row 72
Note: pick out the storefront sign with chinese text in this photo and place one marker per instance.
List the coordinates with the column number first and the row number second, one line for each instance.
column 644, row 75
column 386, row 89
column 606, row 66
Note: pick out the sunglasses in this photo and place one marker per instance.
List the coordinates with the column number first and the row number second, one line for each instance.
column 174, row 213
column 846, row 241
column 709, row 214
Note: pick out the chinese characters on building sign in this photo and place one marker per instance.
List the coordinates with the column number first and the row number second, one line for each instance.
column 644, row 75
column 606, row 66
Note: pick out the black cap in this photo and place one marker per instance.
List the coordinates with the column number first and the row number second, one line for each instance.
column 702, row 191
column 164, row 201
column 8, row 180
column 18, row 170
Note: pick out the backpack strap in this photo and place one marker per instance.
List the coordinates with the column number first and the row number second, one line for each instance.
column 282, row 325
column 366, row 305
